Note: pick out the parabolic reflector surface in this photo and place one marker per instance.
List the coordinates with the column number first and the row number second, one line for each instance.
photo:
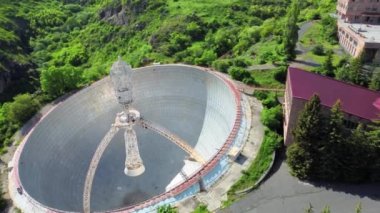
column 196, row 105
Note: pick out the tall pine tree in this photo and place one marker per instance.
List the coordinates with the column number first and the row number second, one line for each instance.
column 327, row 67
column 375, row 80
column 301, row 155
column 374, row 140
column 356, row 73
column 356, row 163
column 290, row 31
column 332, row 149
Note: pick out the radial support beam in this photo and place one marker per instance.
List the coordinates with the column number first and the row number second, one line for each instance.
column 93, row 166
column 173, row 138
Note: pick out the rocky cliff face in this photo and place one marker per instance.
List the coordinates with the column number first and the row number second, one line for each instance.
column 5, row 80
column 123, row 14
column 14, row 54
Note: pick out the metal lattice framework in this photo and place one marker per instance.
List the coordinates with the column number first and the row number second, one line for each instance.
column 121, row 74
column 173, row 138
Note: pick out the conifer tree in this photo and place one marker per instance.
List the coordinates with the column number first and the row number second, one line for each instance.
column 356, row 73
column 375, row 81
column 332, row 148
column 309, row 122
column 374, row 139
column 374, row 132
column 327, row 67
column 355, row 168
column 302, row 154
column 291, row 30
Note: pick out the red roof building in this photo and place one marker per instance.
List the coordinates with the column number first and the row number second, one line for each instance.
column 359, row 104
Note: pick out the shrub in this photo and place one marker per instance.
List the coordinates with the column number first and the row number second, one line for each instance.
column 241, row 62
column 272, row 118
column 222, row 65
column 280, row 74
column 224, row 39
column 318, row 50
column 250, row 81
column 238, row 73
column 261, row 95
column 56, row 81
column 202, row 208
column 207, row 58
column 21, row 109
column 270, row 100
column 166, row 209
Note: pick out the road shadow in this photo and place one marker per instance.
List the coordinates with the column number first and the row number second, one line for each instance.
column 308, row 63
column 370, row 190
column 279, row 159
column 299, row 52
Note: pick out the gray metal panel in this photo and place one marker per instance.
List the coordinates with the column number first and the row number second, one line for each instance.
column 55, row 159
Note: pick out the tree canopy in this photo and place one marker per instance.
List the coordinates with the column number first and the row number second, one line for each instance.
column 325, row 149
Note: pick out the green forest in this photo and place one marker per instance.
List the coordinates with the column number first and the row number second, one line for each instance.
column 52, row 47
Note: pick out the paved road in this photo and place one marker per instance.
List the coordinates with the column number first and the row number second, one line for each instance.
column 284, row 193
column 261, row 67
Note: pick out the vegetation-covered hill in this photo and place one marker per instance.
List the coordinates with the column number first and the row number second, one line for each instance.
column 50, row 47
column 74, row 42
column 14, row 45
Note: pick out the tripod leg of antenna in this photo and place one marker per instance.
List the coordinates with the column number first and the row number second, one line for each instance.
column 93, row 166
column 133, row 164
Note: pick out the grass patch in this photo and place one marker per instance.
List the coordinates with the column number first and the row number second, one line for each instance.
column 314, row 36
column 210, row 9
column 265, row 52
column 271, row 142
column 320, row 59
column 265, row 78
column 201, row 208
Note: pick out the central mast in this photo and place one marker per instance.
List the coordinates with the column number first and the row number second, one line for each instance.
column 121, row 76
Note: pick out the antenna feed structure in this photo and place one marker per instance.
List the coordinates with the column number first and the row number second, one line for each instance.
column 121, row 77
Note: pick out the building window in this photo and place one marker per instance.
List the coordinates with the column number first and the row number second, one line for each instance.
column 349, row 124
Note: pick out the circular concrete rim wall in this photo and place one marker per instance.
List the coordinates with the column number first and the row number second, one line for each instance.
column 176, row 190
